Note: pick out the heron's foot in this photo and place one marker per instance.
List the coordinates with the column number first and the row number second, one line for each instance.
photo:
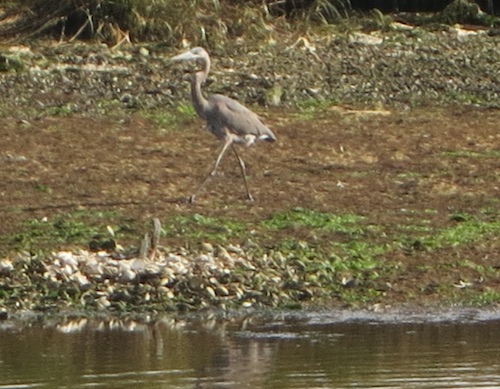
column 250, row 197
column 192, row 199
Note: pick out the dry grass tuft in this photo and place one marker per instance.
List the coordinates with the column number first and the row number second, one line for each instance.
column 190, row 22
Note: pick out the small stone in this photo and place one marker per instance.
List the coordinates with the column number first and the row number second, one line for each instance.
column 207, row 247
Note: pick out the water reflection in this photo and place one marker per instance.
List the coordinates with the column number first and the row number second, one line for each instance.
column 288, row 351
column 395, row 356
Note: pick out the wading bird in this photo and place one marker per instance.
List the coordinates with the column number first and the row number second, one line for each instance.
column 227, row 119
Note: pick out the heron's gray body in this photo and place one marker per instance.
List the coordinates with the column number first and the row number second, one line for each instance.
column 227, row 119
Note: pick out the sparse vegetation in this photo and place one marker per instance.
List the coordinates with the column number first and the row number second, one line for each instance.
column 356, row 207
column 289, row 273
column 207, row 22
column 198, row 22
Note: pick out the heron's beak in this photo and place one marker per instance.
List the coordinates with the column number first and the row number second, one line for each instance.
column 187, row 56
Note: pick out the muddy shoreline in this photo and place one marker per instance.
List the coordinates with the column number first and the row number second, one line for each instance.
column 381, row 191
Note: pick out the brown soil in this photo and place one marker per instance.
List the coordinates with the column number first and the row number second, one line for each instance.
column 381, row 164
column 395, row 168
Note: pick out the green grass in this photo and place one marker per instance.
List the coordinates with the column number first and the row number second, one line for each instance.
column 488, row 297
column 301, row 217
column 409, row 175
column 465, row 98
column 37, row 234
column 310, row 108
column 171, row 119
column 198, row 227
column 64, row 230
column 360, row 246
column 472, row 154
column 463, row 233
column 359, row 255
column 10, row 63
column 65, row 110
column 465, row 230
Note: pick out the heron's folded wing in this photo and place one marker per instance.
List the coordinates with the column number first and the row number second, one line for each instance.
column 238, row 118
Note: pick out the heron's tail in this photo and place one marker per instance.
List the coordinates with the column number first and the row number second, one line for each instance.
column 268, row 136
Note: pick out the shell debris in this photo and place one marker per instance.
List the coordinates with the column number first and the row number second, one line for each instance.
column 157, row 278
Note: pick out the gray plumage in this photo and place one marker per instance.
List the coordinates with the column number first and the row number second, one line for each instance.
column 227, row 119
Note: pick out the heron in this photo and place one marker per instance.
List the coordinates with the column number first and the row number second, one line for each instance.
column 227, row 119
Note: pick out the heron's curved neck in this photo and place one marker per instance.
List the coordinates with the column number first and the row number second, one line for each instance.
column 199, row 102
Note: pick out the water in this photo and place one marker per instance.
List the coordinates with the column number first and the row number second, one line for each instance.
column 329, row 350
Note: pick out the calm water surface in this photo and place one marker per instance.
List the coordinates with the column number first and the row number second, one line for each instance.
column 329, row 350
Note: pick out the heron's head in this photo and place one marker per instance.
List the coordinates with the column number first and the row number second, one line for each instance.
column 200, row 56
column 197, row 54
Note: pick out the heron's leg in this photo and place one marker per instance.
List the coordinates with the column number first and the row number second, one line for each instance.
column 243, row 171
column 212, row 172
